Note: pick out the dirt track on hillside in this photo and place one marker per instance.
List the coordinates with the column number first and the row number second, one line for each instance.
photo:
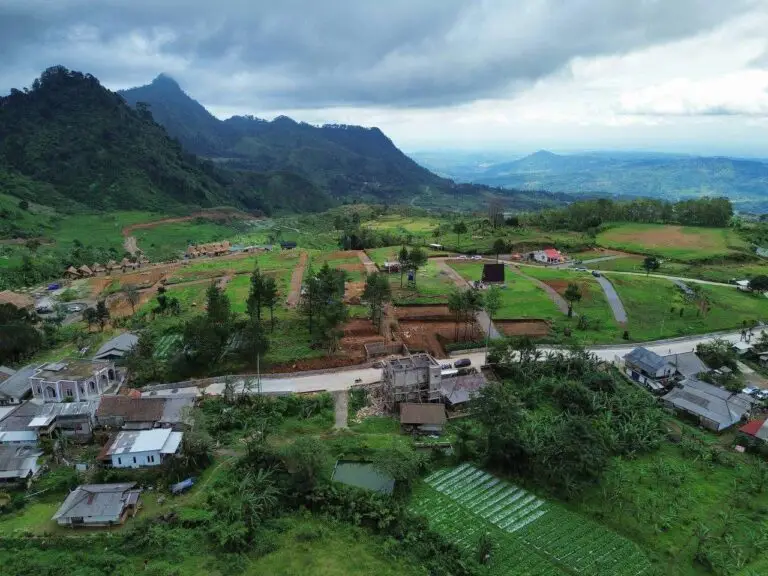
column 219, row 214
column 296, row 279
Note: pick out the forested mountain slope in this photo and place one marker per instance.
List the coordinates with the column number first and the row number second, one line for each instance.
column 69, row 142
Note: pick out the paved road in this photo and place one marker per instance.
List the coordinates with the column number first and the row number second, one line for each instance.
column 613, row 300
column 673, row 278
column 344, row 379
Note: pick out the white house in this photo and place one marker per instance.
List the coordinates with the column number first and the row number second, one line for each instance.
column 73, row 380
column 142, row 448
column 548, row 256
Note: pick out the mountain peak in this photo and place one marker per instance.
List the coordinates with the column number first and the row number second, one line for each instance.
column 542, row 154
column 164, row 79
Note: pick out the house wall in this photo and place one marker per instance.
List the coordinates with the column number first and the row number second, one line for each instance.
column 79, row 390
column 142, row 459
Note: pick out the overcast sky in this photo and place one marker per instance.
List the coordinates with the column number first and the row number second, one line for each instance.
column 674, row 75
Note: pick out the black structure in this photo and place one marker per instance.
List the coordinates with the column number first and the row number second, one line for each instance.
column 493, row 273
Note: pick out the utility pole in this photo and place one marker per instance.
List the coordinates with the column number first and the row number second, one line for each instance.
column 258, row 373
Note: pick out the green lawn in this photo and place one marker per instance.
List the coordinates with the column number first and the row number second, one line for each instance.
column 432, row 286
column 171, row 240
column 215, row 267
column 521, row 298
column 416, row 225
column 593, row 303
column 686, row 243
column 653, row 307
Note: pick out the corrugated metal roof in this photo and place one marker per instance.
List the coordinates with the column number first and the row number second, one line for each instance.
column 646, row 360
column 131, row 409
column 96, row 501
column 17, row 385
column 413, row 413
column 119, row 345
column 158, row 440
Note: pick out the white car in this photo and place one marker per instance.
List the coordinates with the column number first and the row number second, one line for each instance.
column 462, row 257
column 750, row 391
column 477, row 257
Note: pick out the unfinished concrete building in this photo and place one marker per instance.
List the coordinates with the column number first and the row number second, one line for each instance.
column 414, row 378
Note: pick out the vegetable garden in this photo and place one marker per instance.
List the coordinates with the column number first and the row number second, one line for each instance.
column 531, row 536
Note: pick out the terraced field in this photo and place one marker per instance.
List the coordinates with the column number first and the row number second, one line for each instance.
column 531, row 536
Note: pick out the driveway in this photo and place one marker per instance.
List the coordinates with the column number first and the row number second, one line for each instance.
column 482, row 316
column 613, row 299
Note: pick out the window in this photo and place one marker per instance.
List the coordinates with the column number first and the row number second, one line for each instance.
column 150, row 459
column 134, row 459
column 119, row 460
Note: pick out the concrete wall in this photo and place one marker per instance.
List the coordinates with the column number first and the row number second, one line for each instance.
column 142, row 459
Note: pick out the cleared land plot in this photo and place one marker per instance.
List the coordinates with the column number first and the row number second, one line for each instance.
column 432, row 286
column 418, row 225
column 203, row 268
column 533, row 328
column 520, row 298
column 653, row 306
column 430, row 335
column 348, row 261
column 530, row 535
column 678, row 242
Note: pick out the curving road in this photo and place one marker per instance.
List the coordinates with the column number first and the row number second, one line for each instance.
column 613, row 299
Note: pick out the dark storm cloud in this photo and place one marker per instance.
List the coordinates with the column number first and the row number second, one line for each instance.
column 310, row 53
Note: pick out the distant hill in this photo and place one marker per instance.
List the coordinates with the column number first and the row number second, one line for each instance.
column 351, row 163
column 668, row 176
column 345, row 160
column 72, row 144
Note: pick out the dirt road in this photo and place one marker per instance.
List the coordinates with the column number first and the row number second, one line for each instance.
column 482, row 316
column 130, row 245
column 370, row 267
column 294, row 295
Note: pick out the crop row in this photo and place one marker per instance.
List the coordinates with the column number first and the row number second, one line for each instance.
column 465, row 501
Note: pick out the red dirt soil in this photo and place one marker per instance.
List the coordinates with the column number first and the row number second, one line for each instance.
column 353, row 291
column 422, row 335
column 524, row 327
column 430, row 311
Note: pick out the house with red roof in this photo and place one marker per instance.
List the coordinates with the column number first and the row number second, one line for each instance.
column 756, row 430
column 548, row 256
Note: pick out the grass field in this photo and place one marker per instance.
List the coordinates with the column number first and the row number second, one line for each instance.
column 420, row 226
column 520, row 298
column 593, row 303
column 530, row 535
column 171, row 240
column 713, row 271
column 686, row 243
column 433, row 285
column 653, row 307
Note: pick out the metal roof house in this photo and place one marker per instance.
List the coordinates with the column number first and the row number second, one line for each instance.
column 99, row 505
column 15, row 387
column 142, row 448
column 647, row 368
column 460, row 389
column 715, row 408
column 18, row 463
column 687, row 364
column 756, row 429
column 143, row 413
column 117, row 348
column 493, row 273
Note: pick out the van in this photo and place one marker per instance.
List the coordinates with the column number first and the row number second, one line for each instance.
column 462, row 362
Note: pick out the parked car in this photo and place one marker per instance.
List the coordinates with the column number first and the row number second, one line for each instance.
column 477, row 257
column 581, row 270
column 447, row 366
column 761, row 394
column 750, row 390
column 462, row 257
column 462, row 363
column 595, row 273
